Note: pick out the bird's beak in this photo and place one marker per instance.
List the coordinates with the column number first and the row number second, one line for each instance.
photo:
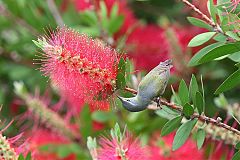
column 120, row 97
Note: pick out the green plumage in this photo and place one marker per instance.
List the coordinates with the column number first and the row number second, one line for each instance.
column 152, row 86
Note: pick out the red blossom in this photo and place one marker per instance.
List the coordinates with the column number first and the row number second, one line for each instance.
column 146, row 45
column 42, row 137
column 80, row 66
column 129, row 148
column 161, row 148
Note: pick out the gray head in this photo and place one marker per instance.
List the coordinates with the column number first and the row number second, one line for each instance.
column 167, row 63
column 132, row 104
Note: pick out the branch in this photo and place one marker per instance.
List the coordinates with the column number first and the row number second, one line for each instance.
column 215, row 26
column 202, row 118
column 205, row 17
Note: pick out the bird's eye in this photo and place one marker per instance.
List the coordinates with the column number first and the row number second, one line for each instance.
column 128, row 100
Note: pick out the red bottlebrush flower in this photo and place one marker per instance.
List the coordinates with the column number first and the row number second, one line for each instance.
column 80, row 66
column 127, row 148
column 82, row 5
column 161, row 148
column 42, row 137
column 220, row 151
column 146, row 45
column 9, row 147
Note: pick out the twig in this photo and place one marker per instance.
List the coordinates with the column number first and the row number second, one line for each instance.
column 202, row 118
column 215, row 26
column 53, row 9
column 205, row 17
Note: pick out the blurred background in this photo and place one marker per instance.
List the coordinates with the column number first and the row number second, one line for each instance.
column 146, row 31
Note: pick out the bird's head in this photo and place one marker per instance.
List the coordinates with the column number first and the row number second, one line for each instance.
column 167, row 63
column 132, row 104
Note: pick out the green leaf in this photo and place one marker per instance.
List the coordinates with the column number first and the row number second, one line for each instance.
column 104, row 18
column 183, row 92
column 183, row 133
column 199, row 23
column 171, row 125
column 202, row 52
column 114, row 11
column 203, row 92
column 88, row 18
column 220, row 51
column 200, row 138
column 116, row 133
column 115, row 24
column 178, row 101
column 221, row 101
column 91, row 143
column 167, row 113
column 101, row 116
column 236, row 156
column 188, row 110
column 212, row 10
column 120, row 81
column 20, row 157
column 198, row 102
column 238, row 65
column 86, row 122
column 28, row 157
column 201, row 39
column 193, row 88
column 232, row 81
column 122, row 66
column 220, row 37
column 235, row 57
column 237, row 145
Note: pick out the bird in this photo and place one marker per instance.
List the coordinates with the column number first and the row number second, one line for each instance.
column 152, row 86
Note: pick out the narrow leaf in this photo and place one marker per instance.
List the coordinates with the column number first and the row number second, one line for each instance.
column 122, row 66
column 188, row 110
column 202, row 52
column 120, row 81
column 200, row 138
column 235, row 57
column 183, row 92
column 236, row 156
column 171, row 125
column 193, row 88
column 212, row 10
column 198, row 102
column 178, row 101
column 114, row 11
column 238, row 65
column 115, row 24
column 220, row 51
column 237, row 145
column 199, row 23
column 231, row 82
column 201, row 39
column 101, row 116
column 183, row 133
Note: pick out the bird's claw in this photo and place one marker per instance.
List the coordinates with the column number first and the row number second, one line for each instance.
column 159, row 105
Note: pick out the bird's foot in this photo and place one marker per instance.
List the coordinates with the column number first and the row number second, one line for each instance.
column 159, row 105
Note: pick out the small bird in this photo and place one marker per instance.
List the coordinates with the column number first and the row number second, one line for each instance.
column 152, row 86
